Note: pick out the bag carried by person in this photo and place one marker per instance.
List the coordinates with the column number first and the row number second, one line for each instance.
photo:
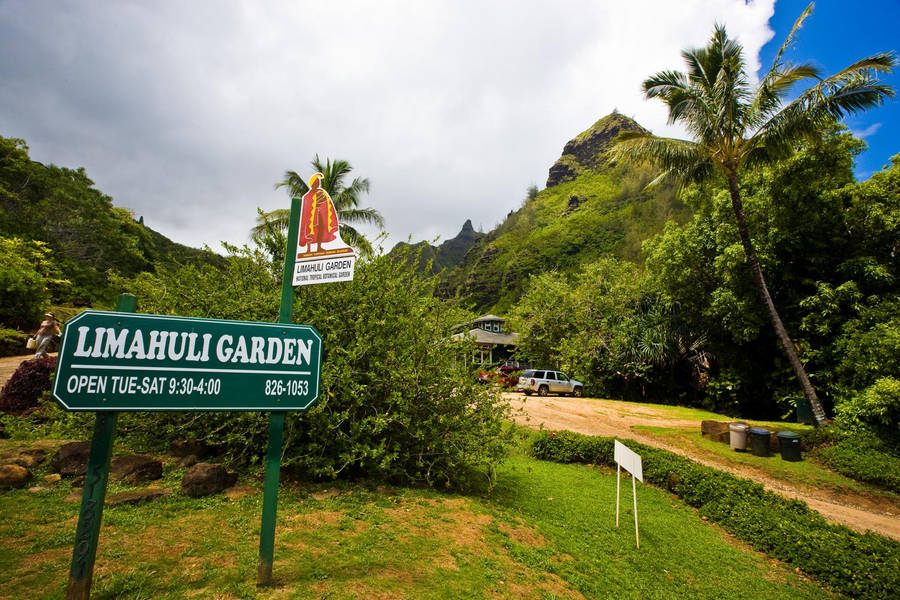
column 31, row 344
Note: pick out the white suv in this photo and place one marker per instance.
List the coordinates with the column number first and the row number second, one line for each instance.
column 548, row 382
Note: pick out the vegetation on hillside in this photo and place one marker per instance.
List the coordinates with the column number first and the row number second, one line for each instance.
column 594, row 212
column 60, row 236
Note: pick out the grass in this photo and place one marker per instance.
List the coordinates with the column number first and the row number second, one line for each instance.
column 546, row 531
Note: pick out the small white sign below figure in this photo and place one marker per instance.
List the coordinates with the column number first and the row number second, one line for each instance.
column 631, row 462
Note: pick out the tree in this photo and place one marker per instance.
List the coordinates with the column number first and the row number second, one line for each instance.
column 345, row 198
column 736, row 127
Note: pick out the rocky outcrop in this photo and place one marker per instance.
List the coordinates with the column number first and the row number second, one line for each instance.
column 13, row 476
column 136, row 497
column 718, row 431
column 135, row 468
column 71, row 459
column 204, row 479
column 446, row 256
column 588, row 149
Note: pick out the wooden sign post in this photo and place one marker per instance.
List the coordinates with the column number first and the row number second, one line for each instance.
column 627, row 458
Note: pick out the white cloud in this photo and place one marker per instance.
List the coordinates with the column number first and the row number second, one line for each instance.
column 188, row 113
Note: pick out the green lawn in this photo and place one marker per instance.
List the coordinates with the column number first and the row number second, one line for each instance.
column 545, row 531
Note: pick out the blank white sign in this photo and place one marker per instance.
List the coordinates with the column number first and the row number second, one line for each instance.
column 628, row 460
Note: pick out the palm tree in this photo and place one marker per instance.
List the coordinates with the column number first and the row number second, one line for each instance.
column 735, row 127
column 345, row 199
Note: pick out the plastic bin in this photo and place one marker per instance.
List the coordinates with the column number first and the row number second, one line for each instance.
column 789, row 442
column 737, row 436
column 804, row 412
column 759, row 441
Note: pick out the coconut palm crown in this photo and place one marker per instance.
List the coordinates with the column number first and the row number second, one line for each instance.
column 735, row 126
column 344, row 196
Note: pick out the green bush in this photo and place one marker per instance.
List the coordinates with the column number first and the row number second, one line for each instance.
column 23, row 282
column 396, row 400
column 12, row 342
column 877, row 407
column 855, row 564
column 863, row 458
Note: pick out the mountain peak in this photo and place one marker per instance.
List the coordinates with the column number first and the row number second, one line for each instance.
column 586, row 150
column 467, row 226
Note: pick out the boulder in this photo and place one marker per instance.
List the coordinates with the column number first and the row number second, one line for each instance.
column 135, row 468
column 13, row 476
column 30, row 458
column 204, row 479
column 71, row 459
column 136, row 497
column 717, row 431
column 198, row 448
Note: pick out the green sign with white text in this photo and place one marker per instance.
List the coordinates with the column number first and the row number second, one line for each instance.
column 131, row 362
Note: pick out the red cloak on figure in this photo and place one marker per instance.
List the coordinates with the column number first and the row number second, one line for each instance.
column 318, row 219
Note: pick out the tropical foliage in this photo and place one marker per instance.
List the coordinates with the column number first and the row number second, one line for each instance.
column 736, row 127
column 396, row 401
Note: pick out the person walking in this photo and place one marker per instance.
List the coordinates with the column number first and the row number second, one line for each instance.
column 49, row 327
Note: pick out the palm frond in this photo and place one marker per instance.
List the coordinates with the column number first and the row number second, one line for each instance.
column 790, row 36
column 362, row 216
column 278, row 219
column 353, row 237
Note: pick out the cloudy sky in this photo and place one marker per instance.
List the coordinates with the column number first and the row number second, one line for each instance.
column 188, row 113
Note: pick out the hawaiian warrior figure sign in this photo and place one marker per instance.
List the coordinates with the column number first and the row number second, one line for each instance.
column 322, row 256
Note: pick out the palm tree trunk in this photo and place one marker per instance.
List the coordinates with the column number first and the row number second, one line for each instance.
column 762, row 288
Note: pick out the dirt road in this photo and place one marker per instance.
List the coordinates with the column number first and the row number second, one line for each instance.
column 610, row 418
column 8, row 366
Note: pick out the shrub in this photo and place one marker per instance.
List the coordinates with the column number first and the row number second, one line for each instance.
column 877, row 407
column 863, row 458
column 396, row 399
column 28, row 383
column 855, row 564
column 12, row 342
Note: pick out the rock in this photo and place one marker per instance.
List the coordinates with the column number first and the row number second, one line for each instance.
column 135, row 468
column 204, row 479
column 717, row 431
column 574, row 203
column 13, row 476
column 30, row 458
column 74, row 495
column 198, row 448
column 71, row 459
column 136, row 497
column 188, row 461
column 52, row 478
column 589, row 149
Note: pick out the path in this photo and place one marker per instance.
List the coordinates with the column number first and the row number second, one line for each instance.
column 606, row 418
column 8, row 366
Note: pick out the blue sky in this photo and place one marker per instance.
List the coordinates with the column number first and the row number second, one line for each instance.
column 836, row 34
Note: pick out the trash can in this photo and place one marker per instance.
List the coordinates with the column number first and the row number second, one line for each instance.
column 804, row 412
column 789, row 442
column 737, row 436
column 759, row 441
